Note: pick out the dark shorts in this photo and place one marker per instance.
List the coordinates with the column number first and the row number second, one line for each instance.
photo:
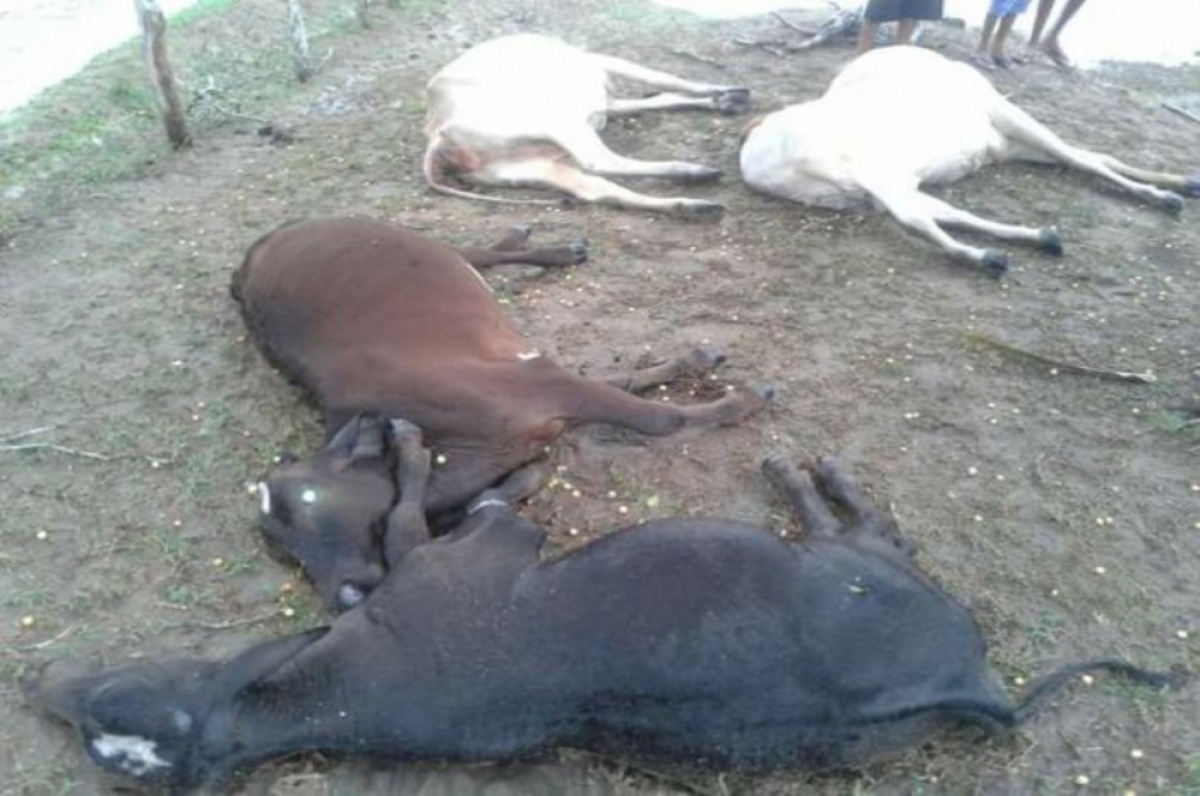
column 892, row 10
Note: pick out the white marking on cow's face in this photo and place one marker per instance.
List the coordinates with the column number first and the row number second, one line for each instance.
column 129, row 753
column 532, row 353
column 309, row 496
column 264, row 497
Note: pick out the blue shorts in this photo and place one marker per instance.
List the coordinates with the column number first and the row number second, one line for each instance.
column 1008, row 8
column 892, row 10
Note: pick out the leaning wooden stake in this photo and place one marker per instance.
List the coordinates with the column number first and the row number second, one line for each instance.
column 154, row 45
column 301, row 59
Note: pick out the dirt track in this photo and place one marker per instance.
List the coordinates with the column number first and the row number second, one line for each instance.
column 1064, row 509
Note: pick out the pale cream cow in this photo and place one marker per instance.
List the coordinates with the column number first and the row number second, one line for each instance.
column 899, row 117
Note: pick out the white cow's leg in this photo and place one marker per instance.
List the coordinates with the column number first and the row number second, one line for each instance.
column 1048, row 240
column 912, row 209
column 660, row 102
column 586, row 149
column 1175, row 182
column 728, row 99
column 1029, row 132
column 545, row 173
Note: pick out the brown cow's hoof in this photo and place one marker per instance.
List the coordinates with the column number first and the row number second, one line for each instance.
column 1050, row 242
column 733, row 101
column 994, row 263
column 699, row 210
column 1173, row 203
column 704, row 360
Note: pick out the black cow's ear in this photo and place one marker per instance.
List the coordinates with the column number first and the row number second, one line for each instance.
column 362, row 437
column 261, row 661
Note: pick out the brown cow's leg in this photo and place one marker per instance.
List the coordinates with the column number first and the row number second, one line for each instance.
column 572, row 253
column 406, row 527
column 698, row 363
column 587, row 401
column 797, row 487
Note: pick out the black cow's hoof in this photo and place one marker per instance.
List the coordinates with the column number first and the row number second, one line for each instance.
column 1050, row 242
column 775, row 462
column 1173, row 203
column 1192, row 188
column 733, row 101
column 701, row 174
column 699, row 210
column 994, row 263
column 579, row 251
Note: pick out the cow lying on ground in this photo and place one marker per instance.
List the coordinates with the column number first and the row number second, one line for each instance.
column 371, row 317
column 700, row 642
column 524, row 110
column 899, row 117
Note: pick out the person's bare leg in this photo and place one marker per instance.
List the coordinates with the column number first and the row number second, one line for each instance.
column 980, row 58
column 905, row 30
column 1039, row 21
column 1050, row 46
column 998, row 56
column 866, row 35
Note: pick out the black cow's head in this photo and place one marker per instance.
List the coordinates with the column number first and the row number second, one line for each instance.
column 328, row 512
column 162, row 723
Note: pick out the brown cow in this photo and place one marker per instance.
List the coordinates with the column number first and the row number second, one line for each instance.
column 374, row 318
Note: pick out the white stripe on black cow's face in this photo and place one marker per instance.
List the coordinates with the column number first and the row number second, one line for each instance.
column 129, row 754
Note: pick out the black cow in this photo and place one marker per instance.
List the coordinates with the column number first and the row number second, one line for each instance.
column 705, row 642
column 372, row 317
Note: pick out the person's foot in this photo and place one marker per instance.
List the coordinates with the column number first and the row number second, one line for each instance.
column 982, row 61
column 1055, row 54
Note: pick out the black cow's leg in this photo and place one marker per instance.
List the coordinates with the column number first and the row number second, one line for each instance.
column 698, row 363
column 865, row 517
column 406, row 526
column 797, row 487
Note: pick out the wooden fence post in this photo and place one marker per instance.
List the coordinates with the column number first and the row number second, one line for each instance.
column 154, row 45
column 301, row 59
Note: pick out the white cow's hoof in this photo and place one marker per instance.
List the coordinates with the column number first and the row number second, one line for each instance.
column 1050, row 242
column 699, row 210
column 994, row 263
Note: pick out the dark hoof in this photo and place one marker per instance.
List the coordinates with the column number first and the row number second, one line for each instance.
column 775, row 464
column 698, row 210
column 401, row 428
column 704, row 360
column 1050, row 242
column 827, row 467
column 1173, row 203
column 701, row 174
column 995, row 264
column 765, row 394
column 733, row 101
column 579, row 251
column 1192, row 187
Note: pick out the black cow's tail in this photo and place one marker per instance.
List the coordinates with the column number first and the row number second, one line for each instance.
column 1042, row 688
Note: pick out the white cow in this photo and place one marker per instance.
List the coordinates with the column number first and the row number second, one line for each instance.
column 524, row 110
column 898, row 117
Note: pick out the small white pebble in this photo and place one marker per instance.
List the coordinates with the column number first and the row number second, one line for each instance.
column 1136, row 754
column 42, row 535
column 1019, row 680
column 289, row 611
column 1181, row 635
column 218, row 562
column 1082, row 780
column 441, row 458
column 972, row 471
column 1101, row 570
column 978, row 518
column 573, row 531
column 576, row 494
column 611, row 494
column 178, row 523
column 1088, row 679
column 622, row 509
column 27, row 621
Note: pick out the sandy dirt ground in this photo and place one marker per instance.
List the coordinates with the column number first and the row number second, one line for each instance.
column 1063, row 509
